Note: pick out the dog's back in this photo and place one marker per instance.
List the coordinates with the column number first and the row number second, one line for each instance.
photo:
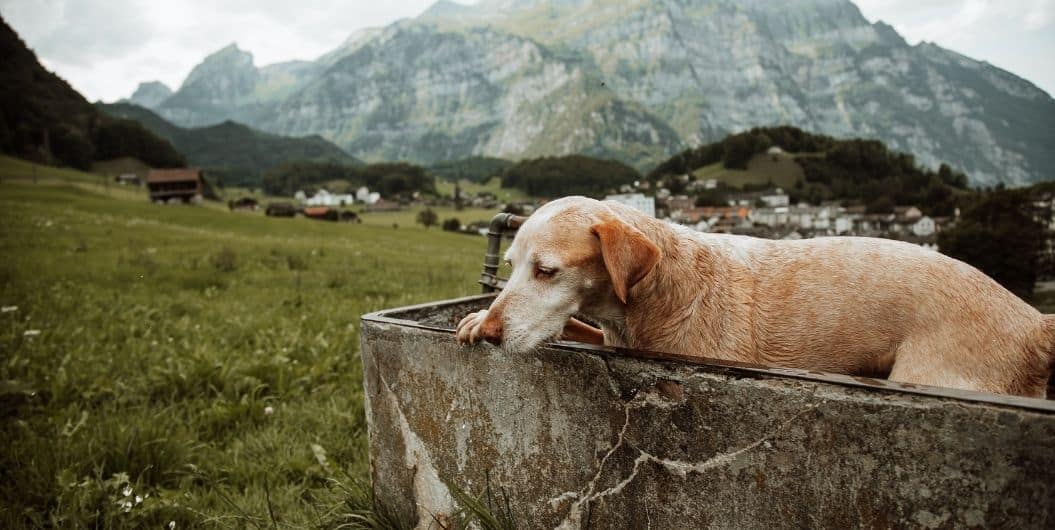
column 862, row 306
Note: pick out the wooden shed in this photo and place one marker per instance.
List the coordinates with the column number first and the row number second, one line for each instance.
column 184, row 185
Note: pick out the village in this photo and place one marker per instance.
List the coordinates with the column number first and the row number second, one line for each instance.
column 767, row 214
column 770, row 215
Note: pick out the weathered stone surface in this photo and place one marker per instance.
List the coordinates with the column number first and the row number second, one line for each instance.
column 594, row 437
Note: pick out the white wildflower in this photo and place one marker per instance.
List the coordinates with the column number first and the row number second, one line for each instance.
column 31, row 333
column 127, row 491
column 269, row 410
column 172, row 525
column 8, row 309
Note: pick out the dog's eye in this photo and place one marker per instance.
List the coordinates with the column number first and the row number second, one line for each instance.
column 544, row 272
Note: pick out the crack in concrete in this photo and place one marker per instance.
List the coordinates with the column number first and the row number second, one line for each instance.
column 587, row 495
column 680, row 468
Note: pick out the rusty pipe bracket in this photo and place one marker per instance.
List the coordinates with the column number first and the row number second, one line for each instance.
column 502, row 225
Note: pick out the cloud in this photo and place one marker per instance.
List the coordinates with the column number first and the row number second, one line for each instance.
column 1016, row 35
column 105, row 48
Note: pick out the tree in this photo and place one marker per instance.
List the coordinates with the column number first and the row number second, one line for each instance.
column 883, row 204
column 711, row 198
column 428, row 217
column 452, row 224
column 999, row 236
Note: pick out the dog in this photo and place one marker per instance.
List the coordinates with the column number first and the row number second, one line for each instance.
column 850, row 305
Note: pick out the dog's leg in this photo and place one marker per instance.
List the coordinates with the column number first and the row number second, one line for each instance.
column 578, row 331
column 916, row 363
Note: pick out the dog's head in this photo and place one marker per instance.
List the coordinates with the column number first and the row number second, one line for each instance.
column 572, row 255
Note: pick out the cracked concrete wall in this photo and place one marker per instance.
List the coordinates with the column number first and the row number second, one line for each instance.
column 592, row 437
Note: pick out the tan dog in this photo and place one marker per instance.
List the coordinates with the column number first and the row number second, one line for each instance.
column 844, row 304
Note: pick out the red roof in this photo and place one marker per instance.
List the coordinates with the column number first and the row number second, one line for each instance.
column 173, row 175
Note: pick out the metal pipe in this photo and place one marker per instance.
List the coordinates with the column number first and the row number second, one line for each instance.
column 500, row 225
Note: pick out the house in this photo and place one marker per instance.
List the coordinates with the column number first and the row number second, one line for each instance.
column 321, row 213
column 325, row 198
column 365, row 196
column 280, row 209
column 844, row 224
column 776, row 198
column 711, row 218
column 128, row 179
column 924, row 227
column 907, row 214
column 680, row 202
column 639, row 201
column 175, row 185
column 245, row 203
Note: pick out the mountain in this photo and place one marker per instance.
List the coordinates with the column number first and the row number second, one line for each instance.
column 150, row 93
column 637, row 80
column 45, row 120
column 228, row 86
column 420, row 94
column 232, row 151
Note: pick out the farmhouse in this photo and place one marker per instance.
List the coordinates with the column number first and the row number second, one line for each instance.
column 321, row 213
column 280, row 209
column 643, row 203
column 244, row 203
column 128, row 179
column 325, row 198
column 184, row 185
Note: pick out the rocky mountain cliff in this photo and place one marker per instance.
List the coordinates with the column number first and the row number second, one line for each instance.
column 633, row 80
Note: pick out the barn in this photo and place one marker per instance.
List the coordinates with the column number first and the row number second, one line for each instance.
column 183, row 185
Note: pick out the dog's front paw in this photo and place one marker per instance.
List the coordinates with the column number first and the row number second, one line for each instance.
column 468, row 331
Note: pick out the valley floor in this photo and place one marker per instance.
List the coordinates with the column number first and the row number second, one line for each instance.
column 190, row 364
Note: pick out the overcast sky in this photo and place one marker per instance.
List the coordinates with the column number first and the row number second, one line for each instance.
column 104, row 48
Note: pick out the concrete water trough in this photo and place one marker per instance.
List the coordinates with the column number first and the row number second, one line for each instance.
column 579, row 436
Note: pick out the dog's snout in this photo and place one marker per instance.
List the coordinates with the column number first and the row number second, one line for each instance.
column 491, row 330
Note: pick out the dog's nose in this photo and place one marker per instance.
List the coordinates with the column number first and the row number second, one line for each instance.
column 491, row 330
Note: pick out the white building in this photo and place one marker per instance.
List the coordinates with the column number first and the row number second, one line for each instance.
column 843, row 224
column 924, row 227
column 636, row 200
column 325, row 198
column 776, row 199
column 364, row 196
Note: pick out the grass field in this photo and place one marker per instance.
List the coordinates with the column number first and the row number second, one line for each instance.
column 446, row 187
column 189, row 364
column 780, row 170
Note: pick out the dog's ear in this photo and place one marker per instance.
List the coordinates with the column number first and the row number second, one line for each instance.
column 628, row 255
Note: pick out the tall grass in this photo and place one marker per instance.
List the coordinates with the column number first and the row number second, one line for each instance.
column 178, row 366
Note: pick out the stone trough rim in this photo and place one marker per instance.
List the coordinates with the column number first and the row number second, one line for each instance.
column 734, row 368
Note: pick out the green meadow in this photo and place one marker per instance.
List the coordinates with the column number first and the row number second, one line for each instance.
column 182, row 366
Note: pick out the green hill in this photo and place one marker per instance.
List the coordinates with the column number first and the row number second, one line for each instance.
column 232, row 152
column 816, row 168
column 476, row 169
column 42, row 118
column 556, row 176
column 762, row 170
